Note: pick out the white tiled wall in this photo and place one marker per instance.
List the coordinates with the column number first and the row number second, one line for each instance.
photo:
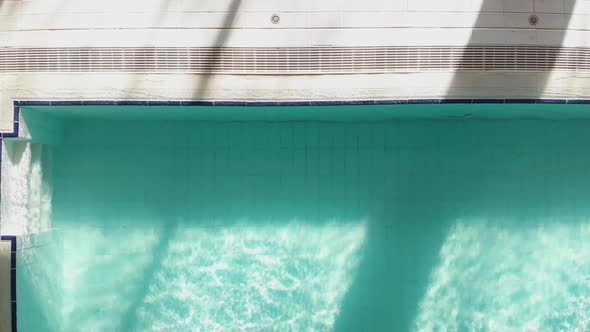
column 303, row 22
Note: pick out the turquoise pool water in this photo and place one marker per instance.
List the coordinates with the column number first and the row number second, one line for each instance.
column 412, row 222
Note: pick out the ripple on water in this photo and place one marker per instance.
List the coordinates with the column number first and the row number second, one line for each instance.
column 284, row 278
column 493, row 278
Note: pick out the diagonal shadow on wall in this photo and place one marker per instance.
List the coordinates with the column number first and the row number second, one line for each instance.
column 214, row 58
column 550, row 31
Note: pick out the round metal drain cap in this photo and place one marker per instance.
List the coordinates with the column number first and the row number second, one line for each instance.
column 275, row 19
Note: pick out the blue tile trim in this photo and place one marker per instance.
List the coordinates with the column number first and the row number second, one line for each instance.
column 13, row 259
column 489, row 101
column 551, row 101
column 578, row 101
column 423, row 101
column 324, row 103
column 98, row 102
column 12, row 240
column 521, row 101
column 197, row 103
column 456, row 101
column 13, row 282
column 131, row 102
column 18, row 104
column 293, row 103
column 358, row 102
column 35, row 103
column 64, row 103
column 261, row 104
column 229, row 103
column 392, row 102
column 163, row 103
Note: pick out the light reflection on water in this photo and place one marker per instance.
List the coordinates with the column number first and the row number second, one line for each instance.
column 282, row 278
column 502, row 278
column 289, row 277
column 293, row 277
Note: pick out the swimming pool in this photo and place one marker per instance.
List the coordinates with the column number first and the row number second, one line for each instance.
column 358, row 218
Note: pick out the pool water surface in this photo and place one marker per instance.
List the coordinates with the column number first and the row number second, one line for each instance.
column 424, row 223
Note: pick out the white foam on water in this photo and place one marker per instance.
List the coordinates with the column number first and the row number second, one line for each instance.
column 501, row 278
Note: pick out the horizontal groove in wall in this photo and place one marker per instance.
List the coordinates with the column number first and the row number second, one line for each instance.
column 293, row 60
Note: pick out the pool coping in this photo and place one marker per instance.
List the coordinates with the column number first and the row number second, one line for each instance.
column 19, row 103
